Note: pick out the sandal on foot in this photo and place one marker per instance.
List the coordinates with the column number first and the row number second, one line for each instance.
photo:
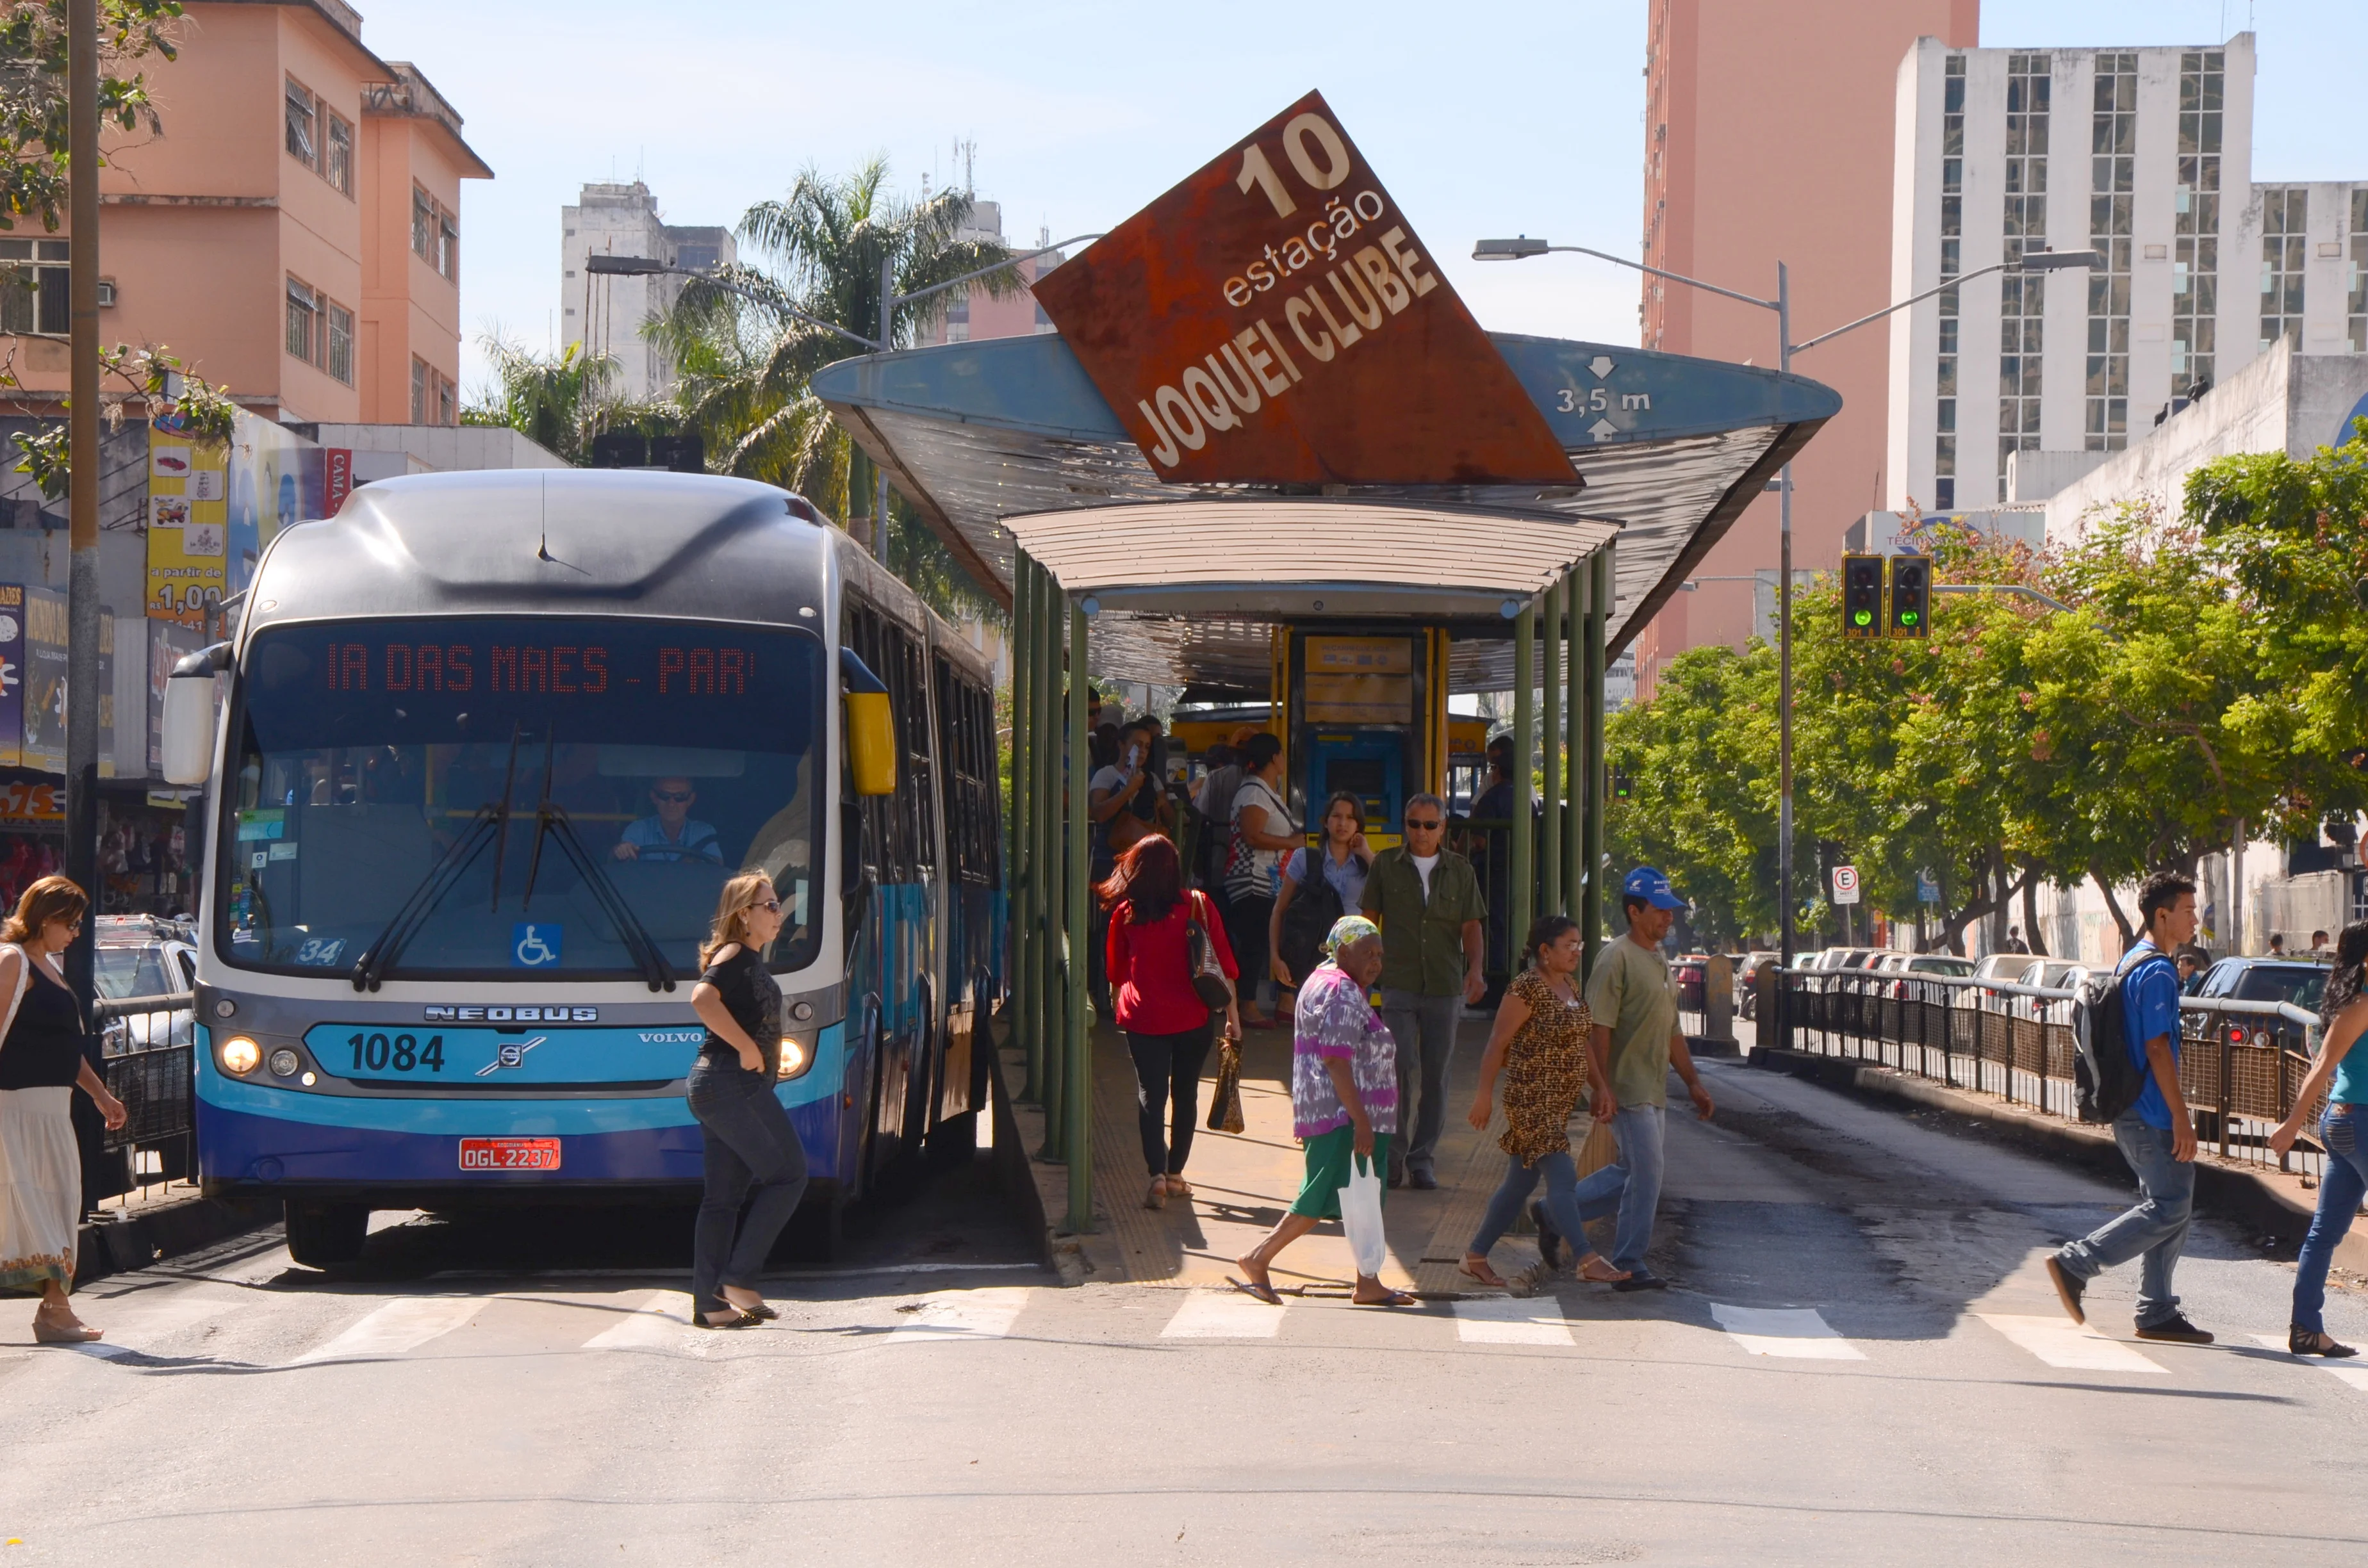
column 2310, row 1342
column 739, row 1320
column 55, row 1334
column 760, row 1311
column 1255, row 1290
column 1483, row 1274
column 1388, row 1298
column 1595, row 1269
column 1158, row 1197
column 1178, row 1188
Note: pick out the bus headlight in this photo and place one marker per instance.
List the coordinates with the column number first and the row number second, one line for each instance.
column 239, row 1056
column 284, row 1063
column 797, row 1054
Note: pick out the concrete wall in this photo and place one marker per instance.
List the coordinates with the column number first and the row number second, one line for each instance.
column 439, row 450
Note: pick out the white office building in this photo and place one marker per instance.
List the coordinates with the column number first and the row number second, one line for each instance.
column 2143, row 156
column 607, row 312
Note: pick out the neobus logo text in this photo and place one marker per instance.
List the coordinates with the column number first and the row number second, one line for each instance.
column 512, row 1015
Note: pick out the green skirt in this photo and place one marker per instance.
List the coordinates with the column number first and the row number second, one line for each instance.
column 1330, row 1158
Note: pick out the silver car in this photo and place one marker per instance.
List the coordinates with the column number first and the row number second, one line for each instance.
column 145, row 956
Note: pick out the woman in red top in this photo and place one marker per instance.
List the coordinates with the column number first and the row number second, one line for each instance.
column 1166, row 1024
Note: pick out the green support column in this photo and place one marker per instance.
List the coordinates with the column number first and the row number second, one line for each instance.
column 1051, row 729
column 1022, row 882
column 1078, row 1076
column 1523, row 899
column 1575, row 599
column 1549, row 743
column 1599, row 616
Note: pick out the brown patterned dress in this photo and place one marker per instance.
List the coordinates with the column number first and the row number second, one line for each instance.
column 1545, row 1070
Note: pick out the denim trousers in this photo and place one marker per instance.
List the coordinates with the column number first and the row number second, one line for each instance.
column 2341, row 1185
column 1570, row 1202
column 1168, row 1071
column 751, row 1148
column 1638, row 1130
column 2155, row 1228
column 1424, row 1028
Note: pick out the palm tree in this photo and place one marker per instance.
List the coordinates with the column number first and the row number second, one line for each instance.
column 744, row 361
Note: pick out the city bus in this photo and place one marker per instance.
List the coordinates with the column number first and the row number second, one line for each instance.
column 481, row 752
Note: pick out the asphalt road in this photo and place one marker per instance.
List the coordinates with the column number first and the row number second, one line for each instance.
column 1861, row 1364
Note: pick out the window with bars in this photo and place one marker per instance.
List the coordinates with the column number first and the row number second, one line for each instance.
column 2113, row 180
column 2285, row 240
column 303, row 320
column 338, row 167
column 447, row 246
column 435, row 235
column 2022, row 296
column 341, row 343
column 2195, row 207
column 303, row 125
column 418, row 391
column 2357, row 306
column 423, row 221
column 1953, row 226
column 35, row 299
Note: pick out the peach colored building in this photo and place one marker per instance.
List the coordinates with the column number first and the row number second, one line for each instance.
column 292, row 234
column 1769, row 136
column 973, row 313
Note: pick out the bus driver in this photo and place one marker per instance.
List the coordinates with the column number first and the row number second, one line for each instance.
column 671, row 835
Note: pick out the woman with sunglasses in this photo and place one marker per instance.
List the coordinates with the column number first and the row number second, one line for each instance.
column 749, row 1141
column 41, row 1064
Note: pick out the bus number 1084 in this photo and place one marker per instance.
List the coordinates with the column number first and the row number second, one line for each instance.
column 404, row 1053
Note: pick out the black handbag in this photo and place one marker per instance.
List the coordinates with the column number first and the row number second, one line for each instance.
column 1209, row 980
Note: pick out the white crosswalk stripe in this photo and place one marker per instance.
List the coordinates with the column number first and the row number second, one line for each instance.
column 2075, row 1347
column 2343, row 1371
column 136, row 1330
column 1508, row 1320
column 661, row 1320
column 965, row 1315
column 1224, row 1315
column 1796, row 1333
column 399, row 1327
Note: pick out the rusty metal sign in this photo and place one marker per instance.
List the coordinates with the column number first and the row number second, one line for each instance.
column 1274, row 319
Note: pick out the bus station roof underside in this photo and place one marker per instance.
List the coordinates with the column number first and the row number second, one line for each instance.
column 1006, row 441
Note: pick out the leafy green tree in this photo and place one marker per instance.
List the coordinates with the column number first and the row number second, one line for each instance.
column 553, row 400
column 33, row 93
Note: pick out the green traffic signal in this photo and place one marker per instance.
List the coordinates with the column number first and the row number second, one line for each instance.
column 1863, row 618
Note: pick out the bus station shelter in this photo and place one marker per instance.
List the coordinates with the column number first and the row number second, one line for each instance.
column 1016, row 462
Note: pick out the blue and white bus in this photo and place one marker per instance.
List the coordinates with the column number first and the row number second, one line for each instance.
column 482, row 751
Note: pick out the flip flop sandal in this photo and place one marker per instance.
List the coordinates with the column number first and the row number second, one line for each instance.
column 1255, row 1291
column 1598, row 1270
column 761, row 1312
column 1394, row 1299
column 1484, row 1274
column 745, row 1320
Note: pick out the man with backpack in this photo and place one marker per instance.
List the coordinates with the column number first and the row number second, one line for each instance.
column 2130, row 1077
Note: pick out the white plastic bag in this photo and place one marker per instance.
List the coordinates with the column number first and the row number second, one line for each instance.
column 1360, row 1215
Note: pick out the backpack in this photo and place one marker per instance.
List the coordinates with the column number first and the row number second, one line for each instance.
column 1314, row 908
column 2108, row 1081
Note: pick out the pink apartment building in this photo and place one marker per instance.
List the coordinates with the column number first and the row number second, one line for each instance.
column 1767, row 135
column 293, row 234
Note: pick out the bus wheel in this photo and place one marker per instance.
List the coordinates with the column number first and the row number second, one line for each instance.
column 322, row 1235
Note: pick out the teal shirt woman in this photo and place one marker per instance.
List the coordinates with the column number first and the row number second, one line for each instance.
column 2341, row 1073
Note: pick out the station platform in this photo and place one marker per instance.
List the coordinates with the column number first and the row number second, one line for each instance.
column 1243, row 1182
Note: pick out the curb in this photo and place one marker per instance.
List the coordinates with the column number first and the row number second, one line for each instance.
column 2270, row 1202
column 127, row 1240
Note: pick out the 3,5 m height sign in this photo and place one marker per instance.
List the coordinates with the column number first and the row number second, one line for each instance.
column 1274, row 319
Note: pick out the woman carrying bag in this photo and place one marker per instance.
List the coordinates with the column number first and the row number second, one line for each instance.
column 1319, row 886
column 41, row 1064
column 1539, row 1045
column 749, row 1141
column 1167, row 1019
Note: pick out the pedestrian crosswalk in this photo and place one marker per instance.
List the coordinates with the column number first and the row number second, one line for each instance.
column 2077, row 1348
column 1224, row 1315
column 2345, row 1372
column 1509, row 1319
column 1799, row 1332
column 398, row 1328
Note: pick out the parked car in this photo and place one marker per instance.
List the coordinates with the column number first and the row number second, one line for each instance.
column 1912, row 964
column 141, row 955
column 1747, row 980
column 2298, row 981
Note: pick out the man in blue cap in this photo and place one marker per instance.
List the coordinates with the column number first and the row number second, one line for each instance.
column 1636, row 1042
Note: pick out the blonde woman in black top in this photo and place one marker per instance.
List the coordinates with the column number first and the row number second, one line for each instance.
column 41, row 1064
column 750, row 1143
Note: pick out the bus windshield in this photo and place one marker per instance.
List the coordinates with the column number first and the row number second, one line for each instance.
column 526, row 795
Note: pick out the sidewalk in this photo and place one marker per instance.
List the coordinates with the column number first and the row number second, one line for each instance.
column 1242, row 1183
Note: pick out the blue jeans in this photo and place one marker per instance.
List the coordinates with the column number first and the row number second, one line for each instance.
column 2340, row 1187
column 2156, row 1227
column 750, row 1145
column 1570, row 1202
column 1639, row 1131
column 1424, row 1029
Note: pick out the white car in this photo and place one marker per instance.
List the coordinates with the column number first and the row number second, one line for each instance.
column 141, row 956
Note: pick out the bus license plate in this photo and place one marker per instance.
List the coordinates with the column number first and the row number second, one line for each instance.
column 509, row 1154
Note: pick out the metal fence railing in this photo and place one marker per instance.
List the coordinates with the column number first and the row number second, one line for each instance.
column 146, row 1056
column 2020, row 1042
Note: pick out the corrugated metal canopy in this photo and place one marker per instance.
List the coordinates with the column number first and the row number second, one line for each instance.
column 1669, row 450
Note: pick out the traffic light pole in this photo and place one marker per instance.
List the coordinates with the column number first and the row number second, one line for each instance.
column 1784, row 673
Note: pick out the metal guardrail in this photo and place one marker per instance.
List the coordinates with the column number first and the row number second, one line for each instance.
column 147, row 1047
column 2020, row 1042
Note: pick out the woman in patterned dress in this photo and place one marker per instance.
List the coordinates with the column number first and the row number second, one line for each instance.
column 1539, row 1044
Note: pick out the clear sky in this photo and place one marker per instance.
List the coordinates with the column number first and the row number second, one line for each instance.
column 1495, row 118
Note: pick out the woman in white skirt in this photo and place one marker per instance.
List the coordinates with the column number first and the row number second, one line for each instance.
column 41, row 1064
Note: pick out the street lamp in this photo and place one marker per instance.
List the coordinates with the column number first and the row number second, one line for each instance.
column 644, row 266
column 1521, row 247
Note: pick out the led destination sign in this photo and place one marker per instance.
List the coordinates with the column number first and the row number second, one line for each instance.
column 540, row 669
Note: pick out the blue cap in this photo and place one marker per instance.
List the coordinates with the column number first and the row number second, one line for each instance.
column 1652, row 887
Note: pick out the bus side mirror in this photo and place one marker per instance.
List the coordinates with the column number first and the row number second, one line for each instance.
column 870, row 727
column 187, row 743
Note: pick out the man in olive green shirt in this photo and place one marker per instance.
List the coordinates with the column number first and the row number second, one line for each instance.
column 1426, row 901
column 1636, row 1042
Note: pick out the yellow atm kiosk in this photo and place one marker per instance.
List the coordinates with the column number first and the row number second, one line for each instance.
column 1364, row 711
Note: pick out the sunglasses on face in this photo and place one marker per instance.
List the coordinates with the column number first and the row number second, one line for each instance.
column 674, row 796
column 1416, row 827
column 771, row 907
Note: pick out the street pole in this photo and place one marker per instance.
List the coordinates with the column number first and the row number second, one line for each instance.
column 1077, row 1075
column 82, row 601
column 1784, row 650
column 1520, row 902
column 887, row 342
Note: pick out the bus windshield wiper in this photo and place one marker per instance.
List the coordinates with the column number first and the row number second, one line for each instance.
column 550, row 819
column 388, row 945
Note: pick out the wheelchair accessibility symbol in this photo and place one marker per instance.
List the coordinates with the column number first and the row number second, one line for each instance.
column 535, row 946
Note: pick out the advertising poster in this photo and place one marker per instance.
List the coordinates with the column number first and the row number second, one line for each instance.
column 188, row 526
column 44, row 694
column 276, row 479
column 169, row 644
column 12, row 673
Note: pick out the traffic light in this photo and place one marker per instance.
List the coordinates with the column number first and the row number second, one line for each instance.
column 1911, row 595
column 1862, row 596
column 1621, row 788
